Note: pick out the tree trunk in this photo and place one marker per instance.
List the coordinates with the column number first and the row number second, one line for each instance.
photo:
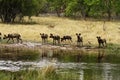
column 109, row 15
column 83, row 13
column 58, row 13
column 1, row 18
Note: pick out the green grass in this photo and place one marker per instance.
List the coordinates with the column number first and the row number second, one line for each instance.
column 47, row 73
column 18, row 53
column 113, row 48
column 89, row 56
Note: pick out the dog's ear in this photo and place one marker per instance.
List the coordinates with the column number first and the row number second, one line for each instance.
column 76, row 33
column 79, row 33
column 51, row 34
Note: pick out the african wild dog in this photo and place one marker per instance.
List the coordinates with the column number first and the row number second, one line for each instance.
column 44, row 37
column 64, row 38
column 101, row 42
column 12, row 36
column 79, row 39
column 56, row 38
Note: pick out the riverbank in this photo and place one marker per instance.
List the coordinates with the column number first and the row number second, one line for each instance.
column 33, row 45
column 32, row 51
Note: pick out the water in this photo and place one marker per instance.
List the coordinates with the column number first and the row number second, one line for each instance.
column 85, row 65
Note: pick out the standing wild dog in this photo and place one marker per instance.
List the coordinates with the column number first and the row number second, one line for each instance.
column 44, row 37
column 64, row 38
column 56, row 38
column 101, row 42
column 79, row 39
column 12, row 36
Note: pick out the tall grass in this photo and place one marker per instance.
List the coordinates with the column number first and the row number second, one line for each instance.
column 47, row 73
column 64, row 26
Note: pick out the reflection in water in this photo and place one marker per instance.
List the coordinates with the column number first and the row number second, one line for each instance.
column 88, row 56
column 101, row 54
column 63, row 56
column 81, row 75
column 101, row 71
column 107, row 74
column 85, row 71
column 83, row 63
column 81, row 56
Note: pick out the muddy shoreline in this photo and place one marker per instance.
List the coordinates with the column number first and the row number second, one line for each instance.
column 32, row 45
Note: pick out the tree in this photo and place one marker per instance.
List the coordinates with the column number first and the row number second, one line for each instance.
column 43, row 6
column 72, row 8
column 30, row 7
column 57, row 5
column 9, row 9
column 77, row 8
column 107, row 7
column 116, row 6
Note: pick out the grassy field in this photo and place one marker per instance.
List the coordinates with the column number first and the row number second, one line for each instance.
column 64, row 26
column 46, row 73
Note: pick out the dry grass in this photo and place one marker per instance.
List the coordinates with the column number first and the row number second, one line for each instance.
column 64, row 26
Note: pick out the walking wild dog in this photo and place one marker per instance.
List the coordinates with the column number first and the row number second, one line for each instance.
column 79, row 39
column 56, row 38
column 44, row 37
column 101, row 42
column 12, row 36
column 66, row 38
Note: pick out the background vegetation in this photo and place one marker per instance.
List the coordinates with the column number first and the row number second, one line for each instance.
column 11, row 9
